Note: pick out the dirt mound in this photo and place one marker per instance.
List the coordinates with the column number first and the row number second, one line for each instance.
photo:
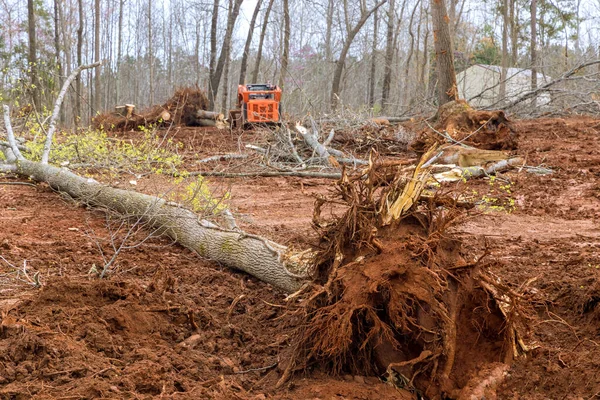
column 400, row 299
column 487, row 130
column 180, row 109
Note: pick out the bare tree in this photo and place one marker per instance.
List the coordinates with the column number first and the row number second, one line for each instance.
column 352, row 32
column 533, row 46
column 329, row 24
column 261, row 42
column 215, row 78
column 444, row 53
column 244, row 62
column 79, row 62
column 389, row 56
column 119, row 52
column 373, row 61
column 286, row 43
column 96, row 102
column 150, row 52
column 32, row 58
column 504, row 58
column 57, row 49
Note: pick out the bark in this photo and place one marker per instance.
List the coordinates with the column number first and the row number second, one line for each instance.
column 32, row 55
column 339, row 68
column 79, row 62
column 57, row 48
column 254, row 255
column 261, row 42
column 389, row 57
column 514, row 33
column 329, row 22
column 504, row 60
column 96, row 101
column 533, row 46
column 225, row 85
column 286, row 44
column 444, row 53
column 150, row 52
column 373, row 61
column 244, row 62
column 119, row 51
column 202, row 114
column 215, row 78
column 410, row 53
column 213, row 43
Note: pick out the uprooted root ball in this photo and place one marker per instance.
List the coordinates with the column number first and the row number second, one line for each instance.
column 487, row 130
column 401, row 300
column 180, row 109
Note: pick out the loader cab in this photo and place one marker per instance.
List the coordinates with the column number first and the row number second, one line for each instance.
column 259, row 103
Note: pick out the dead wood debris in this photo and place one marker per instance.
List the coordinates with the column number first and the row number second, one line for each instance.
column 458, row 123
column 181, row 109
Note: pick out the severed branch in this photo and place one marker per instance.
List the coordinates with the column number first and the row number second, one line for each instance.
column 313, row 142
column 56, row 111
column 269, row 174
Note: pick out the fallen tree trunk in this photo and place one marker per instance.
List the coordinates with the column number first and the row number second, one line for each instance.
column 254, row 255
column 203, row 114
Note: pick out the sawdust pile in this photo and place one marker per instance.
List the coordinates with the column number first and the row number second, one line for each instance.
column 180, row 109
column 396, row 297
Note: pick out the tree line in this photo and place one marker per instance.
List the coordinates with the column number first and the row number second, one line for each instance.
column 377, row 55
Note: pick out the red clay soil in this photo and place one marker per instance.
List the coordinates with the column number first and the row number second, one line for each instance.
column 169, row 324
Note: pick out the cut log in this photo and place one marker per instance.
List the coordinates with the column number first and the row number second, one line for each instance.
column 254, row 255
column 211, row 115
column 165, row 115
column 125, row 111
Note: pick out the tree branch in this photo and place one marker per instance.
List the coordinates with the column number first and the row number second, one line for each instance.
column 11, row 136
column 56, row 111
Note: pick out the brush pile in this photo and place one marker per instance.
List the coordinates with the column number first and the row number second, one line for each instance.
column 395, row 296
column 181, row 109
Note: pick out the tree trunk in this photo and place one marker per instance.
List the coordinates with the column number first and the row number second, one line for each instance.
column 254, row 255
column 444, row 53
column 215, row 78
column 78, row 110
column 329, row 22
column 57, row 50
column 404, row 93
column 96, row 101
column 504, row 60
column 213, row 47
column 32, row 57
column 261, row 42
column 373, row 61
column 119, row 51
column 389, row 57
column 286, row 43
column 225, row 96
column 533, row 46
column 339, row 68
column 244, row 61
column 150, row 53
column 514, row 34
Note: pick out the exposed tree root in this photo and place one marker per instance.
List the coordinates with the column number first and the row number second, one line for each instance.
column 457, row 122
column 182, row 109
column 396, row 296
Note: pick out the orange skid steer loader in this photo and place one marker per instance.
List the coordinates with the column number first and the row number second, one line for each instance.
column 257, row 104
